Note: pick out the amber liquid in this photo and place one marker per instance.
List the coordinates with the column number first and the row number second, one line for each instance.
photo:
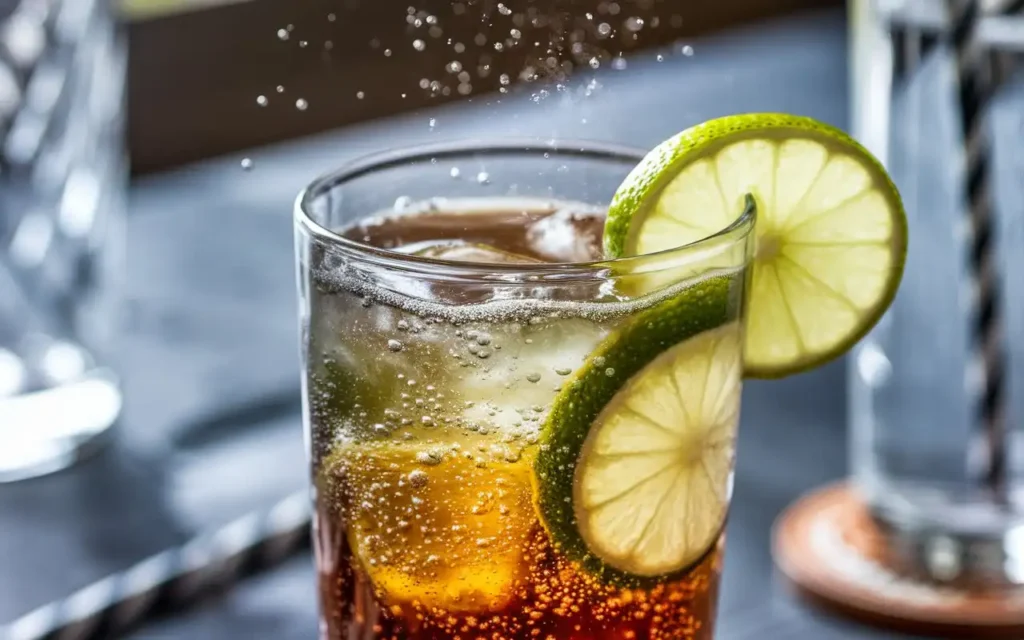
column 430, row 532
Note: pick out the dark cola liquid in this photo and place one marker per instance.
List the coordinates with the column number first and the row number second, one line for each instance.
column 425, row 429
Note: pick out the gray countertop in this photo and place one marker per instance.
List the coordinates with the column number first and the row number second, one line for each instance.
column 211, row 333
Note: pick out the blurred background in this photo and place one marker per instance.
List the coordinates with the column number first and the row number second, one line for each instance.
column 193, row 126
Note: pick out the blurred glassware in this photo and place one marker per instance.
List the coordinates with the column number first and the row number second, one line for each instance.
column 63, row 179
column 937, row 393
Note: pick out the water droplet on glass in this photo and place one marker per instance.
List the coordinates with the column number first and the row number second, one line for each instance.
column 247, row 164
column 282, row 34
column 395, row 345
column 454, row 172
column 533, row 377
column 419, row 45
column 262, row 101
column 687, row 50
column 563, row 371
column 301, row 104
column 483, row 178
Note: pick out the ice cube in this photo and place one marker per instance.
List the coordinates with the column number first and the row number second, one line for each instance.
column 567, row 235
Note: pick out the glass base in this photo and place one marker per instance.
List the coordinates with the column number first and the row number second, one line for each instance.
column 52, row 428
column 962, row 542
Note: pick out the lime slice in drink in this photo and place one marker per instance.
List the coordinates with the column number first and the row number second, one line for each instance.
column 633, row 476
column 831, row 230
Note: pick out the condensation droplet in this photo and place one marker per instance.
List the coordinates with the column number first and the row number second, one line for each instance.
column 563, row 371
column 533, row 377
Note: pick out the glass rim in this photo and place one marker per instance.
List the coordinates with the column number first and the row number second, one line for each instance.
column 353, row 169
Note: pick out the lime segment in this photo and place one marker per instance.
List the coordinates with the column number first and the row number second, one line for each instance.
column 632, row 475
column 653, row 477
column 831, row 230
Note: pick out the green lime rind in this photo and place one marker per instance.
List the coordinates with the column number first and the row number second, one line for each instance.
column 706, row 305
column 637, row 194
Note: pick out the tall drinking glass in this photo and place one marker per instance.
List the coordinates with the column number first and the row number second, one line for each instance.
column 509, row 436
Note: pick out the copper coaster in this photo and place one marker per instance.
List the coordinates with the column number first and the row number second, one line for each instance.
column 829, row 548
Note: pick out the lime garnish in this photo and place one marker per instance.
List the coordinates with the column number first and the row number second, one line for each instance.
column 632, row 477
column 831, row 230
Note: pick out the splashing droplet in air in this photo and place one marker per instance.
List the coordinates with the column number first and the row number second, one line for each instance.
column 262, row 101
column 247, row 164
column 301, row 104
column 419, row 45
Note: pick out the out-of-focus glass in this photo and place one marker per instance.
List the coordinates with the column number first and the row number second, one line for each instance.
column 62, row 194
column 931, row 391
column 427, row 382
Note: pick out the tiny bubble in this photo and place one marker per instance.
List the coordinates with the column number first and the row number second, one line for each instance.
column 432, row 122
column 282, row 34
column 331, row 17
column 454, row 172
column 483, row 177
column 387, row 53
column 604, row 28
column 301, row 104
column 619, row 63
column 247, row 164
column 360, row 95
column 594, row 63
column 503, row 10
column 419, row 45
column 609, row 372
column 403, row 325
column 303, row 44
column 280, row 88
column 262, row 101
column 395, row 345
column 429, row 458
column 687, row 50
column 454, row 66
column 599, row 361
column 660, row 58
column 459, row 47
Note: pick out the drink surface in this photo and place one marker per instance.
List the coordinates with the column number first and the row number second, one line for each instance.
column 427, row 405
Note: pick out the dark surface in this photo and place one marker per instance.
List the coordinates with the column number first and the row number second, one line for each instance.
column 212, row 332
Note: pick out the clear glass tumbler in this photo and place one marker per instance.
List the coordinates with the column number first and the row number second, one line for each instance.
column 508, row 435
column 62, row 193
column 937, row 389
